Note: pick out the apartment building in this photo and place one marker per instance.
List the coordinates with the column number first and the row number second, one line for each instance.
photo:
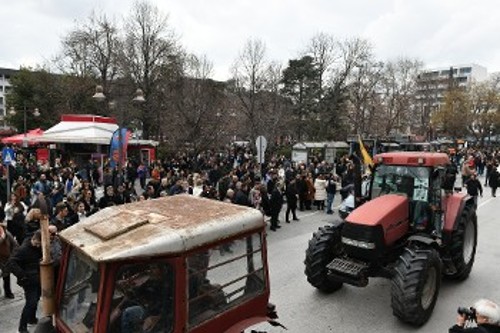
column 5, row 75
column 432, row 83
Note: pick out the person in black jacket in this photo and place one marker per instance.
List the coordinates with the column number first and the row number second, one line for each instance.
column 302, row 191
column 107, row 199
column 275, row 203
column 474, row 187
column 331, row 189
column 292, row 195
column 240, row 196
column 25, row 265
column 487, row 317
column 494, row 180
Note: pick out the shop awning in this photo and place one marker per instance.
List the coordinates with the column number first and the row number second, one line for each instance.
column 85, row 129
column 81, row 129
column 18, row 139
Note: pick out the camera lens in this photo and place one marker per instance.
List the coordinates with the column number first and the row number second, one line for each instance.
column 468, row 313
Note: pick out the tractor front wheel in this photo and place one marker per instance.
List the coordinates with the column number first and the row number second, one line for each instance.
column 323, row 248
column 415, row 285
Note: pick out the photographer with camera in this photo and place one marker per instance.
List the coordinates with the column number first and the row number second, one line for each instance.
column 485, row 313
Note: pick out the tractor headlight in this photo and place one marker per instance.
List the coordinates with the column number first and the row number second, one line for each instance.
column 357, row 243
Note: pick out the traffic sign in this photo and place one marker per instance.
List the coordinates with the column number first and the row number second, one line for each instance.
column 8, row 156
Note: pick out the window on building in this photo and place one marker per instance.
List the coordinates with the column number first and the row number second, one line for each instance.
column 465, row 70
column 7, row 89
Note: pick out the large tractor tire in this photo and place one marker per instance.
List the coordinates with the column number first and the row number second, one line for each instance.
column 463, row 245
column 415, row 285
column 323, row 248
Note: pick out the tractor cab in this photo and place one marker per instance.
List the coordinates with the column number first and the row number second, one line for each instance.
column 419, row 178
column 175, row 264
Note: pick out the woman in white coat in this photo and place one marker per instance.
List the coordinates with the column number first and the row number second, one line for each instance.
column 320, row 192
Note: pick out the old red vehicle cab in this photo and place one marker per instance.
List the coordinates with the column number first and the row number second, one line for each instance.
column 175, row 264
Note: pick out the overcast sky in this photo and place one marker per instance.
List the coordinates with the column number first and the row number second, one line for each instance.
column 438, row 32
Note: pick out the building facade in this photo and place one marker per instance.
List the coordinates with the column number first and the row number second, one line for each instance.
column 433, row 83
column 5, row 87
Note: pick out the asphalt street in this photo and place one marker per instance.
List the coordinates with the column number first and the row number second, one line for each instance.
column 303, row 309
column 351, row 309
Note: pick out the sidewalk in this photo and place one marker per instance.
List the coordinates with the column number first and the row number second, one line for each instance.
column 13, row 307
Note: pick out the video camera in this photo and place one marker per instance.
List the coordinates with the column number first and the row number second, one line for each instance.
column 468, row 313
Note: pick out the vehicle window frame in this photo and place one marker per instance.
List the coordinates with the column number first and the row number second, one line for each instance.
column 115, row 271
column 250, row 279
column 92, row 306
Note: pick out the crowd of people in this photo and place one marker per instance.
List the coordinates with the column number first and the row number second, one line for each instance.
column 73, row 191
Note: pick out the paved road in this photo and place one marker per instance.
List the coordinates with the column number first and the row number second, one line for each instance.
column 303, row 309
column 351, row 309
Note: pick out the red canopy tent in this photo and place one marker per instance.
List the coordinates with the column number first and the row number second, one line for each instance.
column 19, row 138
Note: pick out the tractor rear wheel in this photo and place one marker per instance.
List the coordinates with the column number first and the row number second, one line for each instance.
column 463, row 246
column 323, row 248
column 415, row 285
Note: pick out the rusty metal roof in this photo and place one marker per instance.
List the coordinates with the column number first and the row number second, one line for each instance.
column 161, row 226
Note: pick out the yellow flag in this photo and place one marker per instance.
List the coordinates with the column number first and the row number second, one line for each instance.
column 366, row 157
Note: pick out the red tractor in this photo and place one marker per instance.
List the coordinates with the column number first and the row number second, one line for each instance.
column 178, row 264
column 409, row 226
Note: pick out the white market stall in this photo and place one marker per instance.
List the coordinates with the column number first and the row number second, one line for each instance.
column 76, row 131
column 328, row 150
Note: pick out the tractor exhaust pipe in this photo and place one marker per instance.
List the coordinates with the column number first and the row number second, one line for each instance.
column 46, row 266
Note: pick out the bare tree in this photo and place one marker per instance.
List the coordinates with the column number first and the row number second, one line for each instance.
column 275, row 110
column 485, row 113
column 362, row 92
column 323, row 49
column 91, row 48
column 397, row 96
column 353, row 53
column 149, row 47
column 249, row 77
column 197, row 117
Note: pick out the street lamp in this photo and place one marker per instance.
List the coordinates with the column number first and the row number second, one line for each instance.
column 35, row 112
column 138, row 99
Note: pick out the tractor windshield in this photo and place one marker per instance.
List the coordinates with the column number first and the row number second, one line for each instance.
column 411, row 181
column 79, row 302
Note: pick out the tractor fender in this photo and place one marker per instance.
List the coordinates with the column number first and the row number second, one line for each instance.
column 337, row 223
column 455, row 205
column 423, row 239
